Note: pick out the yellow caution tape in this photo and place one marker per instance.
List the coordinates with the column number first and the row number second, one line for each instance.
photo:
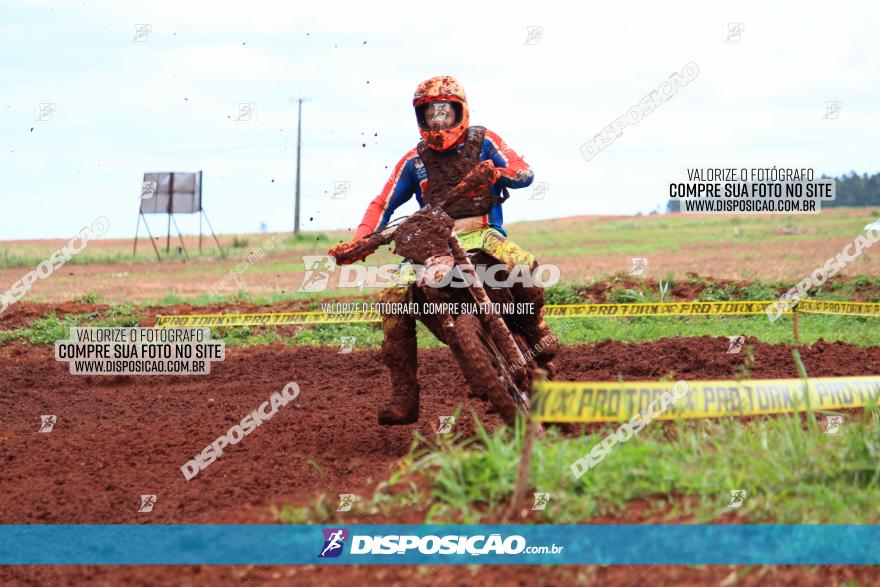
column 563, row 401
column 550, row 311
column 839, row 308
column 745, row 308
column 659, row 309
column 268, row 319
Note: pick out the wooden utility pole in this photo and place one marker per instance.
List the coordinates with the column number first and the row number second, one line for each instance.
column 170, row 211
column 533, row 428
column 298, row 147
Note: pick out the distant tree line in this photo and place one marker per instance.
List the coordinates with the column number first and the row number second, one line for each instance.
column 852, row 190
column 856, row 190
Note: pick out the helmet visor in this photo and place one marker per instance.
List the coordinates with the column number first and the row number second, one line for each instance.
column 438, row 115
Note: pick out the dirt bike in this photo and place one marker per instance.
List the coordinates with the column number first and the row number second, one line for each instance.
column 490, row 350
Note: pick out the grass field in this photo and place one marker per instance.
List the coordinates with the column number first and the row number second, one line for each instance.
column 862, row 331
column 765, row 248
column 850, row 329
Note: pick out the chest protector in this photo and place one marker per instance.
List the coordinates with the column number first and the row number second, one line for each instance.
column 446, row 169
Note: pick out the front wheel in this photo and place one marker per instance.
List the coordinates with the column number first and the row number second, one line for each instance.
column 484, row 369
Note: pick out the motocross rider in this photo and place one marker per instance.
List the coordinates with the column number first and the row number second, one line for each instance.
column 449, row 149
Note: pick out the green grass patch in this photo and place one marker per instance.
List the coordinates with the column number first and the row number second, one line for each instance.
column 263, row 299
column 564, row 293
column 12, row 259
column 236, row 246
column 49, row 327
column 860, row 331
column 856, row 330
column 683, row 470
column 44, row 330
column 116, row 316
column 367, row 335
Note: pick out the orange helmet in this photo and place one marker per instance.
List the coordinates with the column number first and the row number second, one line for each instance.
column 443, row 88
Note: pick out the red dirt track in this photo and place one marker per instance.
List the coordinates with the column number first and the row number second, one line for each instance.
column 119, row 437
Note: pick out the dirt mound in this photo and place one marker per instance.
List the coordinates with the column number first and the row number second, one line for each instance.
column 21, row 314
column 688, row 289
column 706, row 357
column 120, row 437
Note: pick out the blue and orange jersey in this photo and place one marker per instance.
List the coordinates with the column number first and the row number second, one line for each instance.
column 410, row 178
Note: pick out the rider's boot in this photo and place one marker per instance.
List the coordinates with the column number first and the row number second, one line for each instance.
column 399, row 355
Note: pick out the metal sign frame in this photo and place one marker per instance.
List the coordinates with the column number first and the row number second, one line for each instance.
column 154, row 184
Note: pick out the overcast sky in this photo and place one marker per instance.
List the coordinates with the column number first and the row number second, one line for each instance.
column 167, row 99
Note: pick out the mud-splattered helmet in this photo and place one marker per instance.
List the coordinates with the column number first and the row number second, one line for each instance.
column 446, row 89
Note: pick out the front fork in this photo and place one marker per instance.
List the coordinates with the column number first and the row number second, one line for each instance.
column 513, row 357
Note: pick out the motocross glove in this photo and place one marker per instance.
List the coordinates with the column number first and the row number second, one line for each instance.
column 343, row 253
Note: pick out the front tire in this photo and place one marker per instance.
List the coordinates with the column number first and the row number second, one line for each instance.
column 482, row 366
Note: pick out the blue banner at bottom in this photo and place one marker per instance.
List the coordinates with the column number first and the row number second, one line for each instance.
column 213, row 544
